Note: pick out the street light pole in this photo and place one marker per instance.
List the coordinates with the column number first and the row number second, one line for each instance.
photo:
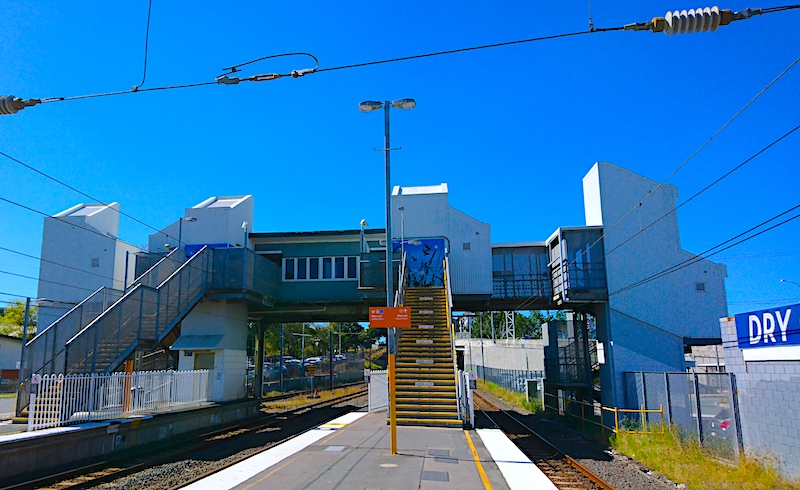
column 369, row 106
column 791, row 282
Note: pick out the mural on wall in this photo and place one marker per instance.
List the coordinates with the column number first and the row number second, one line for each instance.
column 424, row 260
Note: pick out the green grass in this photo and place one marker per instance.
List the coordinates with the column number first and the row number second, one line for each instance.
column 512, row 397
column 685, row 461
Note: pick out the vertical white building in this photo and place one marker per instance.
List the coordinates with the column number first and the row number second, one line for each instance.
column 80, row 254
column 648, row 325
column 427, row 213
column 214, row 334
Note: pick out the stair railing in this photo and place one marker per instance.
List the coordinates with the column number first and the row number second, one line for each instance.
column 400, row 294
column 449, row 318
column 143, row 313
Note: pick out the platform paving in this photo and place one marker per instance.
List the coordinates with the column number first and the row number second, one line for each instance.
column 357, row 456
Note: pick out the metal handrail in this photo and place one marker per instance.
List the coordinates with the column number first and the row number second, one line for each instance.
column 185, row 264
column 449, row 318
column 79, row 305
column 138, row 279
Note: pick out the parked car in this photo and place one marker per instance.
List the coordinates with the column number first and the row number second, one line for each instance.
column 339, row 357
column 721, row 424
column 312, row 360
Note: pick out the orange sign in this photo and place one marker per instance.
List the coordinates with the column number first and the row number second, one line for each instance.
column 385, row 317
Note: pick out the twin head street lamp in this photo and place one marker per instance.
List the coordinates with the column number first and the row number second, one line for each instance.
column 370, row 106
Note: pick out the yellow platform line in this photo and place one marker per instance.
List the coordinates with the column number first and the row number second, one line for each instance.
column 477, row 459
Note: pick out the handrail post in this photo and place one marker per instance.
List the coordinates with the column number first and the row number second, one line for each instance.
column 616, row 420
column 661, row 409
column 642, row 418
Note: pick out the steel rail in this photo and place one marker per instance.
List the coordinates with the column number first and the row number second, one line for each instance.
column 104, row 471
column 586, row 472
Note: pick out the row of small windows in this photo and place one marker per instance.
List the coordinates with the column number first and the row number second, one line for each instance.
column 320, row 268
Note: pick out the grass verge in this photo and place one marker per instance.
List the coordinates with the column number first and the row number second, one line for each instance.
column 512, row 397
column 685, row 461
column 8, row 395
column 301, row 400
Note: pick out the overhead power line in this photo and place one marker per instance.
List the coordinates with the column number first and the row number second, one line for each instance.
column 704, row 189
column 710, row 252
column 608, row 230
column 677, row 22
column 50, row 177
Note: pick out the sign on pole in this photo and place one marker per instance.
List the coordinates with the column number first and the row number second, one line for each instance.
column 385, row 317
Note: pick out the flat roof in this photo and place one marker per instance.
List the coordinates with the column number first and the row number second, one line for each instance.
column 84, row 210
column 221, row 202
column 422, row 189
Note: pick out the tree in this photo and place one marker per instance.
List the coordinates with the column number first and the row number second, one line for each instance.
column 13, row 319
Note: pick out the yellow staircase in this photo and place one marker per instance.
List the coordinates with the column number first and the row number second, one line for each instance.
column 425, row 376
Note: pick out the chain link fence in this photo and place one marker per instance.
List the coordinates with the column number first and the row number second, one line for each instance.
column 698, row 405
column 510, row 379
column 296, row 375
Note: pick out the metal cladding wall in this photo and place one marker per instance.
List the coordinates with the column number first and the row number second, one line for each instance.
column 649, row 322
column 427, row 214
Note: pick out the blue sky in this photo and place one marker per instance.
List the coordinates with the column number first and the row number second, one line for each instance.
column 512, row 130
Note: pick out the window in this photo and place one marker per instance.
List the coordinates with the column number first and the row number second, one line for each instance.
column 700, row 287
column 96, row 262
column 467, row 246
column 326, row 268
column 320, row 268
column 351, row 267
column 288, row 268
column 339, row 267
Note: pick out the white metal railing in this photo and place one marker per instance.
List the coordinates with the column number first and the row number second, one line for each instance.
column 58, row 400
column 378, row 391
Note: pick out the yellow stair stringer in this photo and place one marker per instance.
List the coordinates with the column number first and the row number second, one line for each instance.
column 425, row 383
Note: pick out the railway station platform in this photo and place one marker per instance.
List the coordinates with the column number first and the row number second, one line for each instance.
column 353, row 452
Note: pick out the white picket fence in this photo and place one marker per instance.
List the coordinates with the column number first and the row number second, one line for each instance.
column 59, row 400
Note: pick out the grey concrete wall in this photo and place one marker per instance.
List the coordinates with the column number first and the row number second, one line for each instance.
column 523, row 355
column 769, row 403
column 56, row 452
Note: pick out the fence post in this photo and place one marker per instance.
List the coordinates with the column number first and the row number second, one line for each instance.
column 661, row 409
column 669, row 397
column 616, row 420
column 32, row 406
column 641, row 417
column 92, row 388
column 699, row 410
column 583, row 420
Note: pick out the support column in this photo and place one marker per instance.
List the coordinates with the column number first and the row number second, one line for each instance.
column 258, row 356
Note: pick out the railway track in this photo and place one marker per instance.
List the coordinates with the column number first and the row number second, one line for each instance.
column 565, row 472
column 106, row 471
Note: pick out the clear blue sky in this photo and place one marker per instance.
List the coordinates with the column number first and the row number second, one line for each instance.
column 512, row 130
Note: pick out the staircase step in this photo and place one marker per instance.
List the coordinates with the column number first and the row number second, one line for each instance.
column 429, row 422
column 423, row 407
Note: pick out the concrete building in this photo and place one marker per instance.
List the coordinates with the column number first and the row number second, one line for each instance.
column 207, row 275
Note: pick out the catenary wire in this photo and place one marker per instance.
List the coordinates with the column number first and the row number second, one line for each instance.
column 17, row 252
column 591, row 30
column 605, row 232
column 708, row 253
column 146, row 42
column 48, row 176
column 712, row 184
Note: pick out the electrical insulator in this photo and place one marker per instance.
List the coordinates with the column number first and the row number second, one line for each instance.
column 693, row 20
column 11, row 105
